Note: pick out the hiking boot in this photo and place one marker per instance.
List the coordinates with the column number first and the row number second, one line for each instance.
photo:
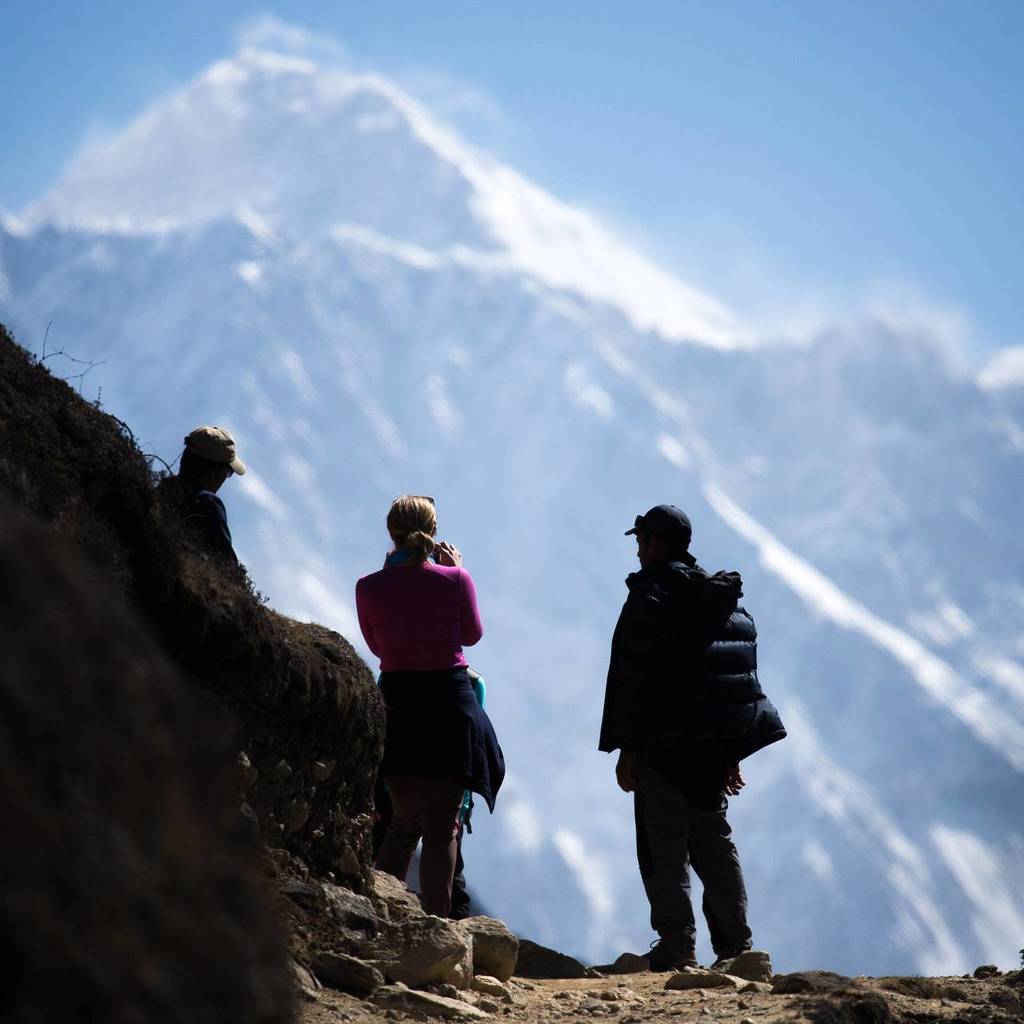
column 750, row 964
column 664, row 957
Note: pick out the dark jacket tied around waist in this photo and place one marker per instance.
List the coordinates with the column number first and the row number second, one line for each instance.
column 683, row 672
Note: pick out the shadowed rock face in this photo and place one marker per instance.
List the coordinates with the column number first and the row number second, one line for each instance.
column 308, row 718
column 130, row 889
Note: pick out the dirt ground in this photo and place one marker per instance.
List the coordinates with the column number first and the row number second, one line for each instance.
column 643, row 999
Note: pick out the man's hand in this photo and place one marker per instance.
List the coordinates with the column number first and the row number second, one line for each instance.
column 734, row 780
column 625, row 771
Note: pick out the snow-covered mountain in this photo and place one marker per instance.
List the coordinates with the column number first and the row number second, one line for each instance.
column 306, row 255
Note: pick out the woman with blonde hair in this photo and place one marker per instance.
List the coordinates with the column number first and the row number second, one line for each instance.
column 417, row 614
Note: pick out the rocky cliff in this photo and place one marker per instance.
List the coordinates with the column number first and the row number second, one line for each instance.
column 131, row 888
column 306, row 715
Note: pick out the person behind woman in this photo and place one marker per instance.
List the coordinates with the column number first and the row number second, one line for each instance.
column 416, row 614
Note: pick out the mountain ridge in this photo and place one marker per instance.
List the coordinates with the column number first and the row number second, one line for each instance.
column 484, row 201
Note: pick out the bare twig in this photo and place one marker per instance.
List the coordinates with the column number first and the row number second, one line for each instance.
column 80, row 377
column 124, row 426
column 150, row 455
column 89, row 364
column 74, row 359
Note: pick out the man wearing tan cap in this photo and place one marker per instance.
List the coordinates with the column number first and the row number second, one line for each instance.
column 208, row 460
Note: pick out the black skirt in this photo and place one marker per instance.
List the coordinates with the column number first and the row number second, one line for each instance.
column 436, row 728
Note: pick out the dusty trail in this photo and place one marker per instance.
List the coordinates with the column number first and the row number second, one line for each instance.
column 643, row 999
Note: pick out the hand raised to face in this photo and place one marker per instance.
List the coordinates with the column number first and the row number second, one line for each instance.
column 447, row 554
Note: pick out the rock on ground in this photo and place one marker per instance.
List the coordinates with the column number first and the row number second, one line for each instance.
column 495, row 948
column 753, row 965
column 351, row 910
column 536, row 961
column 490, row 986
column 421, row 950
column 347, row 973
column 394, row 900
column 811, row 981
column 426, row 1004
column 695, row 977
column 626, row 963
column 306, row 981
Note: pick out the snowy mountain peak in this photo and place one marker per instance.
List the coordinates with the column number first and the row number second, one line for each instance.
column 301, row 145
column 306, row 146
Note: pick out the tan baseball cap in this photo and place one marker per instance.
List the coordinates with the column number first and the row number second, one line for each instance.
column 215, row 444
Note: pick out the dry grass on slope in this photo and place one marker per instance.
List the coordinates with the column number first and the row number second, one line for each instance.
column 307, row 716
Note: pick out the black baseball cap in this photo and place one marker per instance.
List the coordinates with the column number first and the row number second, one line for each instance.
column 665, row 521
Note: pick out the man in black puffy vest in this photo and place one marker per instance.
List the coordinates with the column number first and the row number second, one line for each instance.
column 683, row 707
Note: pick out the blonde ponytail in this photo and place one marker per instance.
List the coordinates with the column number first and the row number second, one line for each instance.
column 412, row 523
column 421, row 542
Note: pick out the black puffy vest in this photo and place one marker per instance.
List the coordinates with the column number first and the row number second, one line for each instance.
column 683, row 675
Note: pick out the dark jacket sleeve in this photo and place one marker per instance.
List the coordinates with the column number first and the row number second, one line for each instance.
column 212, row 520
column 637, row 662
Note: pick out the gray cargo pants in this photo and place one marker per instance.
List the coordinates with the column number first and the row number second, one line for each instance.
column 670, row 835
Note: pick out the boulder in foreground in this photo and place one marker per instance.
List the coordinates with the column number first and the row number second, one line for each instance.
column 424, row 1004
column 394, row 900
column 421, row 950
column 753, row 965
column 495, row 948
column 697, row 977
column 347, row 973
column 536, row 961
column 816, row 982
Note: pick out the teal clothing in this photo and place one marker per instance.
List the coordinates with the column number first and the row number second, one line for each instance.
column 400, row 557
column 466, row 813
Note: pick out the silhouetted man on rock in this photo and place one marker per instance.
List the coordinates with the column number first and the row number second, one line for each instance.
column 208, row 460
column 683, row 706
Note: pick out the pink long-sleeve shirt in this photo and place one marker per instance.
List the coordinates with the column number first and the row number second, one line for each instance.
column 418, row 617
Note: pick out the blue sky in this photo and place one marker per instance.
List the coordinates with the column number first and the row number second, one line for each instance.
column 785, row 156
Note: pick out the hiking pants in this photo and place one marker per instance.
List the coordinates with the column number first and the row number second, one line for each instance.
column 461, row 903
column 670, row 835
column 426, row 807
